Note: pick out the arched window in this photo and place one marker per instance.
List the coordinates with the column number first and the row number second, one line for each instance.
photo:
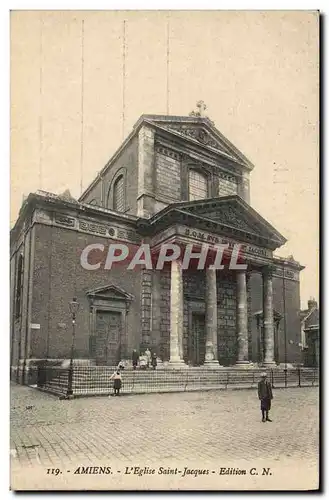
column 118, row 195
column 19, row 277
column 198, row 185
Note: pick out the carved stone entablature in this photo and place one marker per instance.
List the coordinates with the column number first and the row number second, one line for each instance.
column 126, row 234
column 92, row 227
column 228, row 216
column 197, row 133
column 227, row 177
column 200, row 135
column 168, row 152
column 288, row 273
column 41, row 216
column 278, row 272
column 64, row 220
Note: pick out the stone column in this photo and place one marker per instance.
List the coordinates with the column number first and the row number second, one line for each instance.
column 242, row 318
column 156, row 312
column 176, row 315
column 211, row 319
column 268, row 318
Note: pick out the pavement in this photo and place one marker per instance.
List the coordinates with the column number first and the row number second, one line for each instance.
column 200, row 431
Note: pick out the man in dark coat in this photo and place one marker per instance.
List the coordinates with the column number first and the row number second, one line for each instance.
column 135, row 358
column 154, row 361
column 265, row 395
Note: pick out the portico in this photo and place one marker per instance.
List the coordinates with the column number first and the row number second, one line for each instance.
column 195, row 326
column 211, row 314
column 175, row 180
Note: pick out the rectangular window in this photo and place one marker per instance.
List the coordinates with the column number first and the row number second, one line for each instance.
column 198, row 186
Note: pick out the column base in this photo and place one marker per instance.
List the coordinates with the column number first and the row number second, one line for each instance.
column 212, row 364
column 244, row 364
column 177, row 363
column 269, row 364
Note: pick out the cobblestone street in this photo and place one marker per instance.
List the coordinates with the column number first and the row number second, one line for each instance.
column 218, row 427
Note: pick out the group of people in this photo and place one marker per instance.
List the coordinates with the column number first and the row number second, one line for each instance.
column 265, row 394
column 145, row 360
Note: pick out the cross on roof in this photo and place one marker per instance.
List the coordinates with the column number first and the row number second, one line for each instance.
column 201, row 107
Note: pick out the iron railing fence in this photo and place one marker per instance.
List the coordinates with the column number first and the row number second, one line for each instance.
column 52, row 379
column 95, row 380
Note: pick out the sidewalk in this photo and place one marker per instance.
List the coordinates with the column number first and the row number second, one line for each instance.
column 216, row 427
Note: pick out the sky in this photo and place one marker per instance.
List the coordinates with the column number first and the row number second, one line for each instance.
column 257, row 72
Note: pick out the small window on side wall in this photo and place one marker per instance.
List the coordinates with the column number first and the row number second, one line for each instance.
column 18, row 294
column 118, row 194
column 198, row 185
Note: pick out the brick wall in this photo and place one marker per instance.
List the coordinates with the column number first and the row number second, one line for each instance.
column 57, row 256
column 20, row 326
column 293, row 324
column 226, row 318
column 146, row 305
column 292, row 315
column 227, row 186
column 194, row 290
column 126, row 162
column 165, row 314
column 168, row 176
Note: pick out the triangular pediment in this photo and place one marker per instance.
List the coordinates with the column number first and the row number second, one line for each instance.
column 230, row 215
column 110, row 292
column 202, row 131
column 233, row 212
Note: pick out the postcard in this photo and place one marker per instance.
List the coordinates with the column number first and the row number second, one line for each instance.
column 164, row 240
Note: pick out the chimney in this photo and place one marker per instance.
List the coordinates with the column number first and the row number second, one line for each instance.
column 312, row 304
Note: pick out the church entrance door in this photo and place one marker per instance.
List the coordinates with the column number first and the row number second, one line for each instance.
column 198, row 339
column 108, row 334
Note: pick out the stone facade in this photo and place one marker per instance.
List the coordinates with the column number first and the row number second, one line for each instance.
column 185, row 316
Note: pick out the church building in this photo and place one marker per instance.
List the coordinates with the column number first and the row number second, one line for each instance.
column 175, row 179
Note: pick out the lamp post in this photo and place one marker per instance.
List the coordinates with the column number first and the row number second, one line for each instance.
column 74, row 307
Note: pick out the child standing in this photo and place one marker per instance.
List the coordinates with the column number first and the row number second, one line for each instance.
column 117, row 382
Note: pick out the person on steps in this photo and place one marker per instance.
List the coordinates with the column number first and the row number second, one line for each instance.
column 117, row 382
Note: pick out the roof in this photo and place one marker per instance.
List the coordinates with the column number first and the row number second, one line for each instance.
column 198, row 129
column 312, row 319
column 195, row 130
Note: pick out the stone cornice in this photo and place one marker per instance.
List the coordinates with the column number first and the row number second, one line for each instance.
column 287, row 263
column 203, row 121
column 195, row 150
column 150, row 227
column 197, row 206
column 67, row 208
column 193, row 157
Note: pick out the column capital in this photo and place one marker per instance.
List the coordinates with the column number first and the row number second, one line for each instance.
column 248, row 275
column 267, row 271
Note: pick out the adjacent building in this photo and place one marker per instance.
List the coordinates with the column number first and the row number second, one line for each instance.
column 310, row 334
